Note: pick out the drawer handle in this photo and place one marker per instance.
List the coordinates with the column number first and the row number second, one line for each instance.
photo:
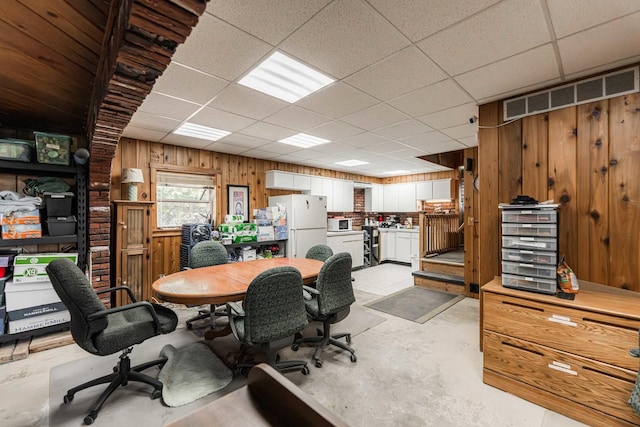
column 562, row 367
column 562, row 320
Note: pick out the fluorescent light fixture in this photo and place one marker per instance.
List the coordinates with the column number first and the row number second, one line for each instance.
column 352, row 162
column 303, row 140
column 284, row 78
column 203, row 132
column 397, row 172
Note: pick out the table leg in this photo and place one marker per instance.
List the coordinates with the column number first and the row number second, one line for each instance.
column 215, row 333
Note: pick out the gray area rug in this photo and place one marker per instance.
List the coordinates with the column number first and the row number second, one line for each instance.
column 416, row 304
column 191, row 373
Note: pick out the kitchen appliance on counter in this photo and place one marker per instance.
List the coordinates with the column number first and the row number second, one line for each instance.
column 306, row 219
column 339, row 224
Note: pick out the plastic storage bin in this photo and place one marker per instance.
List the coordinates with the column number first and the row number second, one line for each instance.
column 540, row 230
column 544, row 286
column 521, row 255
column 529, row 270
column 53, row 149
column 58, row 204
column 539, row 243
column 530, row 216
column 16, row 149
column 61, row 226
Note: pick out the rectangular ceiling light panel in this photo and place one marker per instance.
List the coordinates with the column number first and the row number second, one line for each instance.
column 202, row 132
column 285, row 78
column 352, row 162
column 397, row 172
column 303, row 140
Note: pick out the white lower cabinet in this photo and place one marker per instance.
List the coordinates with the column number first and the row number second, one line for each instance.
column 353, row 243
column 399, row 245
column 403, row 246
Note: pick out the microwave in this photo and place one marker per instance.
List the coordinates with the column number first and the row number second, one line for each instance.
column 339, row 224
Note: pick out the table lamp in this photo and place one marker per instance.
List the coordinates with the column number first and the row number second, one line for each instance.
column 133, row 177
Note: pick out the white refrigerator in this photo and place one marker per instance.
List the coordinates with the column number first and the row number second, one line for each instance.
column 306, row 219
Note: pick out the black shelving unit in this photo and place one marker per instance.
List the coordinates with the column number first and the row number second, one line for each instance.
column 282, row 244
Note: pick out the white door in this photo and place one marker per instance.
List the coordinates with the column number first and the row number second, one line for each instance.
column 300, row 241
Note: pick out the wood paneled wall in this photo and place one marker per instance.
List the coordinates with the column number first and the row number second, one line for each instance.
column 228, row 169
column 586, row 158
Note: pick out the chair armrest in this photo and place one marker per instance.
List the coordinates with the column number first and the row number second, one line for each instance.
column 147, row 305
column 235, row 308
column 119, row 288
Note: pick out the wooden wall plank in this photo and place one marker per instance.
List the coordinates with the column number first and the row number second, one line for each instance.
column 534, row 156
column 510, row 158
column 562, row 182
column 624, row 193
column 471, row 237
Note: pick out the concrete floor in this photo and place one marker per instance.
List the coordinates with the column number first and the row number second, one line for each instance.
column 407, row 374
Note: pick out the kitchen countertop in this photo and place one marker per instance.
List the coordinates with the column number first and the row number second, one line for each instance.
column 406, row 230
column 343, row 233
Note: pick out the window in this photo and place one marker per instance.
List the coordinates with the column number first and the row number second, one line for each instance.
column 184, row 198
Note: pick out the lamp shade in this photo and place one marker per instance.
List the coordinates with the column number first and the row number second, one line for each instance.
column 132, row 175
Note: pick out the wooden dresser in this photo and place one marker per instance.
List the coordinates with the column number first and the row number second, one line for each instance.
column 568, row 356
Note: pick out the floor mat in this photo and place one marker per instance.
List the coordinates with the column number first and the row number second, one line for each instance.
column 416, row 304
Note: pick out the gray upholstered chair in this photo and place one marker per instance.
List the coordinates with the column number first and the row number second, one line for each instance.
column 319, row 252
column 272, row 312
column 205, row 254
column 329, row 303
column 103, row 331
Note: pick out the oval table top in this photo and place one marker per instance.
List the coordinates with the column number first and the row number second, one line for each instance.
column 223, row 283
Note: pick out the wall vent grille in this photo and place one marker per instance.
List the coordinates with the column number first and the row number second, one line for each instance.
column 601, row 87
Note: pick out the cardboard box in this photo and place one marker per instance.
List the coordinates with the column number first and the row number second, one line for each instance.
column 247, row 254
column 281, row 232
column 20, row 217
column 32, row 268
column 237, row 238
column 38, row 322
column 21, row 231
column 39, row 310
column 19, row 296
column 266, row 233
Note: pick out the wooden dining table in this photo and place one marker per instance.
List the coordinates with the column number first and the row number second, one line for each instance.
column 224, row 283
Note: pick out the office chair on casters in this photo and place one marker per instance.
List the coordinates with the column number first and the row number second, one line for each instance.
column 330, row 302
column 271, row 313
column 319, row 252
column 205, row 254
column 103, row 331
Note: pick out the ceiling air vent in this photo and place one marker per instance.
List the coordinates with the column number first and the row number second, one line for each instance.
column 602, row 87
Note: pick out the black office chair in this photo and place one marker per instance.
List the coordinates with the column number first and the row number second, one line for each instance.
column 205, row 254
column 103, row 331
column 273, row 310
column 319, row 252
column 330, row 302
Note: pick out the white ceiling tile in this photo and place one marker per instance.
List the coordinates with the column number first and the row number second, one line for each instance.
column 331, row 148
column 387, row 147
column 470, row 141
column 506, row 29
column 337, row 100
column 571, row 16
column 151, row 121
column 419, row 141
column 240, row 140
column 188, row 84
column 362, row 140
column 403, row 129
column 305, row 154
column 185, row 141
column 517, row 92
column 375, row 117
column 269, row 20
column 222, row 147
column 280, row 148
column 334, row 130
column 247, row 102
column 297, row 118
column 451, row 116
column 398, row 74
column 268, row 131
column 603, row 68
column 220, row 49
column 168, row 106
column 511, row 74
column 613, row 41
column 142, row 133
column 408, row 152
column 219, row 119
column 445, row 147
column 436, row 97
column 343, row 38
column 261, row 154
column 461, row 131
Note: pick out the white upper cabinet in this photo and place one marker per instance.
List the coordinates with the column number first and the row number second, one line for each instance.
column 342, row 195
column 407, row 197
column 327, row 190
column 279, row 180
column 424, row 190
column 377, row 198
column 441, row 189
column 316, row 186
column 390, row 198
column 301, row 182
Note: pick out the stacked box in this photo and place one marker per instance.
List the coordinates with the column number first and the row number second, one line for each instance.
column 32, row 268
column 16, row 149
column 21, row 231
column 266, row 233
column 281, row 232
column 32, row 306
column 20, row 217
column 247, row 254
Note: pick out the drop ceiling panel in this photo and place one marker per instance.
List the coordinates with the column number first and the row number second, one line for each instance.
column 331, row 148
column 151, row 121
column 297, row 118
column 220, row 49
column 219, row 119
column 387, row 147
column 268, row 131
column 482, row 38
column 162, row 105
column 343, row 38
column 418, row 141
column 280, row 148
column 451, row 116
column 607, row 43
column 418, row 19
column 223, row 147
column 261, row 154
column 271, row 21
column 470, row 141
column 362, row 140
column 446, row 146
column 335, row 130
column 337, row 100
column 247, row 102
column 240, row 140
column 461, row 131
column 186, row 83
column 436, row 97
column 143, row 133
column 404, row 129
column 571, row 16
column 375, row 117
column 397, row 74
column 186, row 141
column 511, row 74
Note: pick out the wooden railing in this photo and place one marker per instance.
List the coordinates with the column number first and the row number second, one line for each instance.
column 439, row 233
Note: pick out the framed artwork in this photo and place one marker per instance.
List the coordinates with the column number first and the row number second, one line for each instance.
column 238, row 200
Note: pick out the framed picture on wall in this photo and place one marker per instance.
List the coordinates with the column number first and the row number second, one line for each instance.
column 238, row 200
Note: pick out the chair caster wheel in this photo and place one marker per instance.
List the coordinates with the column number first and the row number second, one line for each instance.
column 277, row 358
column 295, row 347
column 68, row 398
column 89, row 419
column 348, row 338
column 318, row 363
column 189, row 326
column 243, row 371
column 115, row 369
column 305, row 370
column 156, row 394
column 354, row 358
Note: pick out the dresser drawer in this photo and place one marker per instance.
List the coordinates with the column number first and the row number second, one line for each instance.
column 530, row 216
column 530, row 243
column 596, row 385
column 593, row 335
column 538, row 230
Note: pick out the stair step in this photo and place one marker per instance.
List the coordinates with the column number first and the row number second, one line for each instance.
column 439, row 277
